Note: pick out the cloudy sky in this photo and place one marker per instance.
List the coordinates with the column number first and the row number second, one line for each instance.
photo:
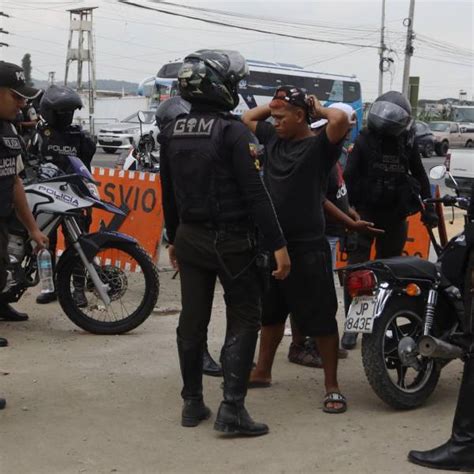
column 132, row 43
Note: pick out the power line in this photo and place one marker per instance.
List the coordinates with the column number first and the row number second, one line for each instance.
column 246, row 28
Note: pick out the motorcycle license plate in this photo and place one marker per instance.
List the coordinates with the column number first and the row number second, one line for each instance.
column 361, row 315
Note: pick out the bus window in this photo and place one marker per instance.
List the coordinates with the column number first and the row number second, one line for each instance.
column 351, row 91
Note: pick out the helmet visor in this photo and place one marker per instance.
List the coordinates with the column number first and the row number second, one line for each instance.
column 389, row 117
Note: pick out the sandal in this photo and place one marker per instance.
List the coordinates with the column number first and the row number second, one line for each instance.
column 335, row 397
column 304, row 355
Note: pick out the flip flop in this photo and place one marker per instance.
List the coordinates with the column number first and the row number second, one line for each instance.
column 335, row 397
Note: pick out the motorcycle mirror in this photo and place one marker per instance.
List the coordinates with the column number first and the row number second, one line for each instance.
column 438, row 172
column 141, row 116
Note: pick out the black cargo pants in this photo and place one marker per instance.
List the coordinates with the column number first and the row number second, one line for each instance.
column 204, row 255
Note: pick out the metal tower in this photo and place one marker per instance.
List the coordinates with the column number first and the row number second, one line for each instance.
column 81, row 22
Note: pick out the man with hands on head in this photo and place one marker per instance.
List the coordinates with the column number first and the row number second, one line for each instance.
column 296, row 170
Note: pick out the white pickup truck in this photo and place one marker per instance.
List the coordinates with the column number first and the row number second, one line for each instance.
column 461, row 165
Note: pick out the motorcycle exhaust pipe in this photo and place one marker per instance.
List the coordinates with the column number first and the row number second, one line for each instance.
column 437, row 349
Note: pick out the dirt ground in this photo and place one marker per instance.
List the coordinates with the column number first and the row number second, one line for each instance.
column 79, row 403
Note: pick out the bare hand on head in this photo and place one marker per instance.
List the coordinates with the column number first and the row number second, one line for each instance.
column 315, row 107
column 173, row 259
column 283, row 264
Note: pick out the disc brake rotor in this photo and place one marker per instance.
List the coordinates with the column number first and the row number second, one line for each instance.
column 114, row 277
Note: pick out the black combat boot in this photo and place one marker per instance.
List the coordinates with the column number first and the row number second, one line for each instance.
column 3, row 403
column 237, row 359
column 8, row 313
column 190, row 360
column 3, row 342
column 457, row 454
column 209, row 365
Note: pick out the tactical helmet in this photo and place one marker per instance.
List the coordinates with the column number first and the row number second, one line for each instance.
column 170, row 109
column 58, row 104
column 390, row 114
column 212, row 77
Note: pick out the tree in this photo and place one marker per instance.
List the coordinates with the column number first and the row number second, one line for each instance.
column 26, row 65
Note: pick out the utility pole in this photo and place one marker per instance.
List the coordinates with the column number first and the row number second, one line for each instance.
column 382, row 50
column 408, row 22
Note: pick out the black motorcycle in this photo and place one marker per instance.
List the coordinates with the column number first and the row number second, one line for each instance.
column 117, row 277
column 411, row 313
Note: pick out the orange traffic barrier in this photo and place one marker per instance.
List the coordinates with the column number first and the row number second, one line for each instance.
column 139, row 195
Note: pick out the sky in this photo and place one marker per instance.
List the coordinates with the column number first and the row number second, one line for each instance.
column 131, row 43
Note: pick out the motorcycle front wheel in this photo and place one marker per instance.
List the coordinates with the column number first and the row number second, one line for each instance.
column 132, row 286
column 399, row 385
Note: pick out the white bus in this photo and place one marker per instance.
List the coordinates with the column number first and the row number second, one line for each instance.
column 264, row 78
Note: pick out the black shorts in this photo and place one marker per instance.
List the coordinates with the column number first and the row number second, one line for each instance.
column 308, row 294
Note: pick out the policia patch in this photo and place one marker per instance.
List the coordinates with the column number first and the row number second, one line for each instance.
column 194, row 127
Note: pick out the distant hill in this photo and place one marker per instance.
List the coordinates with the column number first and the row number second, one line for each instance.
column 102, row 84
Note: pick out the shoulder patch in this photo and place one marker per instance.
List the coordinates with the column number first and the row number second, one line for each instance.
column 12, row 142
column 194, row 127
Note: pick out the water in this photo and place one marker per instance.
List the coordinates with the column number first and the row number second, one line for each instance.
column 45, row 267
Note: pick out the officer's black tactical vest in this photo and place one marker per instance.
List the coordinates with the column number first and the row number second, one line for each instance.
column 390, row 185
column 10, row 149
column 56, row 145
column 203, row 179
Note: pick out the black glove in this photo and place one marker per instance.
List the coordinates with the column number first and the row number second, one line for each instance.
column 429, row 216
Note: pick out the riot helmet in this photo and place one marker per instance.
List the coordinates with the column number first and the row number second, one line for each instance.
column 390, row 114
column 212, row 77
column 58, row 104
column 170, row 109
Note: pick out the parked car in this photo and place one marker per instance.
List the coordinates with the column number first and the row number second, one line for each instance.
column 425, row 139
column 451, row 135
column 460, row 164
column 123, row 134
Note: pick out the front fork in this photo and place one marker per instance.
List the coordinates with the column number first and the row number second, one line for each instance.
column 75, row 232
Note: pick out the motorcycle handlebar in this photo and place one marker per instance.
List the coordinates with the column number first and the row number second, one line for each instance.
column 446, row 200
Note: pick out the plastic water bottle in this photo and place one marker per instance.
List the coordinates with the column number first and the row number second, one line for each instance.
column 45, row 267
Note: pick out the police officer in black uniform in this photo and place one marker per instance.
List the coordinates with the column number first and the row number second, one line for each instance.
column 13, row 95
column 58, row 138
column 385, row 177
column 168, row 111
column 212, row 198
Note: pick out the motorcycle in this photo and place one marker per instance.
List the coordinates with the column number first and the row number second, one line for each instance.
column 117, row 276
column 411, row 312
column 142, row 157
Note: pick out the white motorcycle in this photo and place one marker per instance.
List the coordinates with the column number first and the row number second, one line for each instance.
column 117, row 276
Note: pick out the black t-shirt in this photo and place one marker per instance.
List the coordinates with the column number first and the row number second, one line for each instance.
column 236, row 151
column 296, row 174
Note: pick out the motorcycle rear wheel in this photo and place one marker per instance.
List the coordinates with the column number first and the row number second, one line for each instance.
column 403, row 316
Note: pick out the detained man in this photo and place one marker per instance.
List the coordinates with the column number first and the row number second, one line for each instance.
column 296, row 171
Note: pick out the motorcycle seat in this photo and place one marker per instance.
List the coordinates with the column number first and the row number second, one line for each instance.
column 410, row 267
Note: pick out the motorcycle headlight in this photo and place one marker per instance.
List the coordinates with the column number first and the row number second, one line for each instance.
column 93, row 190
